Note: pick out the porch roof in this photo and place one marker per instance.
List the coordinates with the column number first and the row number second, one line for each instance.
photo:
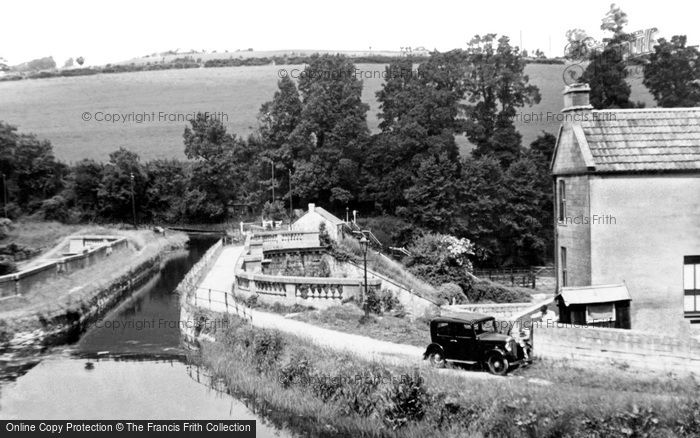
column 595, row 294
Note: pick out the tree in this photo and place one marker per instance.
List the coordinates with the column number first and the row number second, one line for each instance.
column 673, row 73
column 31, row 171
column 114, row 194
column 607, row 71
column 440, row 259
column 328, row 143
column 80, row 60
column 482, row 199
column 525, row 215
column 614, row 20
column 69, row 63
column 278, row 120
column 86, row 177
column 431, row 199
column 167, row 186
column 496, row 88
column 218, row 169
column 419, row 120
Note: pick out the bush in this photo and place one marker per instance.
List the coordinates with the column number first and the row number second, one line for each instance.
column 55, row 209
column 405, row 400
column 359, row 395
column 451, row 293
column 251, row 301
column 372, row 302
column 5, row 227
column 323, row 236
column 267, row 348
column 388, row 301
column 485, row 290
column 7, row 265
column 297, row 370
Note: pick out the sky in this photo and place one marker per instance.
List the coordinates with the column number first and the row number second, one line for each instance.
column 104, row 32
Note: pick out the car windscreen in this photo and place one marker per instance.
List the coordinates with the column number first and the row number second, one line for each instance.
column 488, row 326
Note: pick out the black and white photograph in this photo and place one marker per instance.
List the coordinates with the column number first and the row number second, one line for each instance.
column 350, row 219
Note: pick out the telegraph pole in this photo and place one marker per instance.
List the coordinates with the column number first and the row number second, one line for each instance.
column 272, row 164
column 133, row 201
column 291, row 209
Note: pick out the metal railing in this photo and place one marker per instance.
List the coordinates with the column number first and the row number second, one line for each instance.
column 217, row 300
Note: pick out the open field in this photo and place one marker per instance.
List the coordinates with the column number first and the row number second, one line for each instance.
column 53, row 108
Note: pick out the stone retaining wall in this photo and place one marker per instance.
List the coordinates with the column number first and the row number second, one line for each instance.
column 22, row 281
column 616, row 347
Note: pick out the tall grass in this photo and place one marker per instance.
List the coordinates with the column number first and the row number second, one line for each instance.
column 428, row 402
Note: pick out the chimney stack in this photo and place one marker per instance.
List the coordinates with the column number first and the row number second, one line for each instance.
column 312, row 207
column 576, row 98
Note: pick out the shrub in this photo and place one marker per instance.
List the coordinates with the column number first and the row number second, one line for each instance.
column 373, row 303
column 274, row 211
column 55, row 209
column 359, row 395
column 323, row 236
column 485, row 290
column 451, row 293
column 388, row 301
column 252, row 301
column 267, row 348
column 405, row 400
column 296, row 371
column 326, row 387
column 5, row 227
column 7, row 265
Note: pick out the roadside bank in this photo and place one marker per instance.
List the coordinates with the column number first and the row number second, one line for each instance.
column 76, row 300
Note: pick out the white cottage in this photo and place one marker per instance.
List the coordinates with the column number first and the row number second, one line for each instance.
column 312, row 219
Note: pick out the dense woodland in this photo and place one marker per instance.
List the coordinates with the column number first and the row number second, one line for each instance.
column 409, row 175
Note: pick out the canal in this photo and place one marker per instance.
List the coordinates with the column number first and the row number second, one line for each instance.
column 129, row 365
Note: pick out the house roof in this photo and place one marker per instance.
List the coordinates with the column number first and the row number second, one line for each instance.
column 594, row 294
column 654, row 139
column 328, row 216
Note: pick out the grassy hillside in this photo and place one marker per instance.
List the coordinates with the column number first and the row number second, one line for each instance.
column 54, row 108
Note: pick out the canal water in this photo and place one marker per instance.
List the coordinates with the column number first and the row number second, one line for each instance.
column 129, row 365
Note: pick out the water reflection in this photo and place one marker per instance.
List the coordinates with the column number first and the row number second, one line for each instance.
column 122, row 368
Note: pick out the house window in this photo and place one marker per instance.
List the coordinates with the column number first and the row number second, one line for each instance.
column 562, row 200
column 691, row 284
column 563, row 266
column 604, row 312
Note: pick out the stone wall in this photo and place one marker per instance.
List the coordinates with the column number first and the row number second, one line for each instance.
column 306, row 262
column 622, row 348
column 21, row 282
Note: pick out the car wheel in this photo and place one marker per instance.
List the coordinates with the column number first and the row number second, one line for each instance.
column 497, row 364
column 437, row 360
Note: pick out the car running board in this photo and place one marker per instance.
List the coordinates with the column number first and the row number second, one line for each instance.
column 469, row 362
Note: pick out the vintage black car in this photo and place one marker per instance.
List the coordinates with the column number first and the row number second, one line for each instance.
column 473, row 338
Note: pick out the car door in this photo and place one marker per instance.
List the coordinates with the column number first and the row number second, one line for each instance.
column 443, row 333
column 465, row 342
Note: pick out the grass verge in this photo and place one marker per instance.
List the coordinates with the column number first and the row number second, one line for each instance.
column 336, row 394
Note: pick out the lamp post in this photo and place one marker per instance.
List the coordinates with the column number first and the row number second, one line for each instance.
column 365, row 243
column 133, row 201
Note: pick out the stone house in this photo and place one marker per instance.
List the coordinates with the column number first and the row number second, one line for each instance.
column 627, row 204
column 312, row 219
